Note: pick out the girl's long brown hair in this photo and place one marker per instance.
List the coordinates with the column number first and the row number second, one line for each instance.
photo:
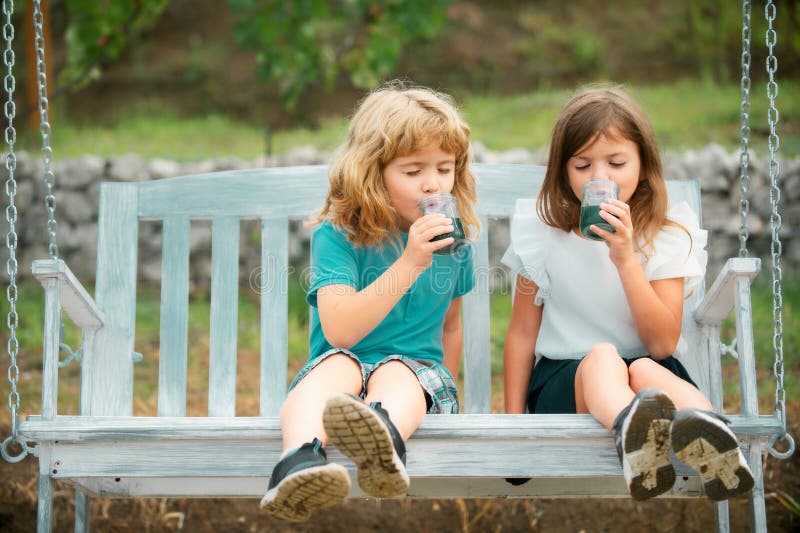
column 394, row 121
column 611, row 111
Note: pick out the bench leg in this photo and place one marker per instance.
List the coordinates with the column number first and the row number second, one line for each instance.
column 758, row 510
column 81, row 512
column 44, row 508
column 723, row 517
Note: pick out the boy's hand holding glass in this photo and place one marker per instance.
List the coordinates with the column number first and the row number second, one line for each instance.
column 445, row 204
column 421, row 238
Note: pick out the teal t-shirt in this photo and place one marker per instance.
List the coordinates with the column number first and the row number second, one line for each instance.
column 414, row 326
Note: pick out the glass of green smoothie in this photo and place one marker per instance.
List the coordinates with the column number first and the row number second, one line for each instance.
column 445, row 203
column 595, row 192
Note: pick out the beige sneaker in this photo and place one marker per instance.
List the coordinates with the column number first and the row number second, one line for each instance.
column 367, row 436
column 703, row 440
column 641, row 434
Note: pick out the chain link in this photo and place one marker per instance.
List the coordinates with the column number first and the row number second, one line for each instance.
column 12, row 319
column 775, row 223
column 44, row 128
column 744, row 133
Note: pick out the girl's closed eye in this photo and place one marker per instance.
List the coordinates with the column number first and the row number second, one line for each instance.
column 618, row 163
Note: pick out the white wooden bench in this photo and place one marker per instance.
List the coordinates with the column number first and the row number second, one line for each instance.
column 107, row 451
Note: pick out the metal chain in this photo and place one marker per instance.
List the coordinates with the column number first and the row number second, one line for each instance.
column 12, row 319
column 775, row 223
column 47, row 151
column 744, row 132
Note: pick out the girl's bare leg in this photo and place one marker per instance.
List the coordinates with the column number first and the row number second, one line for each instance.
column 301, row 414
column 645, row 373
column 601, row 384
column 397, row 388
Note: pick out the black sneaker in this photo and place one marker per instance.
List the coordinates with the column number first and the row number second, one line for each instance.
column 703, row 440
column 641, row 434
column 302, row 481
column 366, row 435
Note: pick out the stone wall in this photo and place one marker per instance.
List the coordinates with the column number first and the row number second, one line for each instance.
column 78, row 181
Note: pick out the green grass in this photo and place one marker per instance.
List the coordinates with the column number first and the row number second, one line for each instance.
column 686, row 114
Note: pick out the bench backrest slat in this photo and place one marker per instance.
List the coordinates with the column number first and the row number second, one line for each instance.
column 272, row 285
column 107, row 369
column 174, row 317
column 476, row 331
column 224, row 316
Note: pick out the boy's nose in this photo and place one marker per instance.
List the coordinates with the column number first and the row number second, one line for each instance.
column 430, row 185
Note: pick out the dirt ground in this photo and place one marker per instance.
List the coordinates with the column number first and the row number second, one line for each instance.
column 18, row 510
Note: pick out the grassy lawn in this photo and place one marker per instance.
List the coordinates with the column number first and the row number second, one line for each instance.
column 686, row 114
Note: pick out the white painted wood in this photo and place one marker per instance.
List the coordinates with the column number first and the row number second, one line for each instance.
column 723, row 516
column 748, row 391
column 224, row 315
column 427, row 458
column 82, row 516
column 271, row 283
column 44, row 504
column 476, row 329
column 75, row 301
column 52, row 340
column 87, row 362
column 174, row 317
column 254, row 193
column 458, row 487
column 475, row 427
column 718, row 302
column 758, row 510
column 715, row 366
column 108, row 366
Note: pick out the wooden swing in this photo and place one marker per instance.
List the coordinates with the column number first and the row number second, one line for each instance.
column 106, row 451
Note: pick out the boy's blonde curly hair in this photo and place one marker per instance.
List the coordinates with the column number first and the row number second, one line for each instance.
column 393, row 121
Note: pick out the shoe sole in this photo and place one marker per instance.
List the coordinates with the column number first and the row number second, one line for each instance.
column 298, row 494
column 354, row 428
column 646, row 445
column 708, row 446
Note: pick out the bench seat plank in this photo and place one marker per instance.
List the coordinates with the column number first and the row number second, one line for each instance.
column 475, row 427
column 464, row 487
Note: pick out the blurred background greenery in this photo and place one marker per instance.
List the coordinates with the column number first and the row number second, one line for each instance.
column 190, row 79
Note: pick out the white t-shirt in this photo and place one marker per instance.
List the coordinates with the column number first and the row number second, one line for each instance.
column 584, row 302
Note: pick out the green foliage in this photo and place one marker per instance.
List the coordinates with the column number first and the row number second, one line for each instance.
column 300, row 44
column 99, row 31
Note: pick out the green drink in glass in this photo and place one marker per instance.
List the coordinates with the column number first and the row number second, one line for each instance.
column 445, row 203
column 595, row 192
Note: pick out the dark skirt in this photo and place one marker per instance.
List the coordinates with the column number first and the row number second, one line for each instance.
column 552, row 388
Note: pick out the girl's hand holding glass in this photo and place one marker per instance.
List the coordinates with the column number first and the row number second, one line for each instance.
column 617, row 214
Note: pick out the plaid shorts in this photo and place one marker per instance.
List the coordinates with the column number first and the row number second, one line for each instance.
column 436, row 381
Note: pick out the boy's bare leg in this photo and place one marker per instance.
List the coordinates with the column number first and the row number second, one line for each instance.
column 397, row 388
column 301, row 414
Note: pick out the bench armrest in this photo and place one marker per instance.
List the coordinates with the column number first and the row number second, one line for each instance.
column 75, row 301
column 719, row 300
